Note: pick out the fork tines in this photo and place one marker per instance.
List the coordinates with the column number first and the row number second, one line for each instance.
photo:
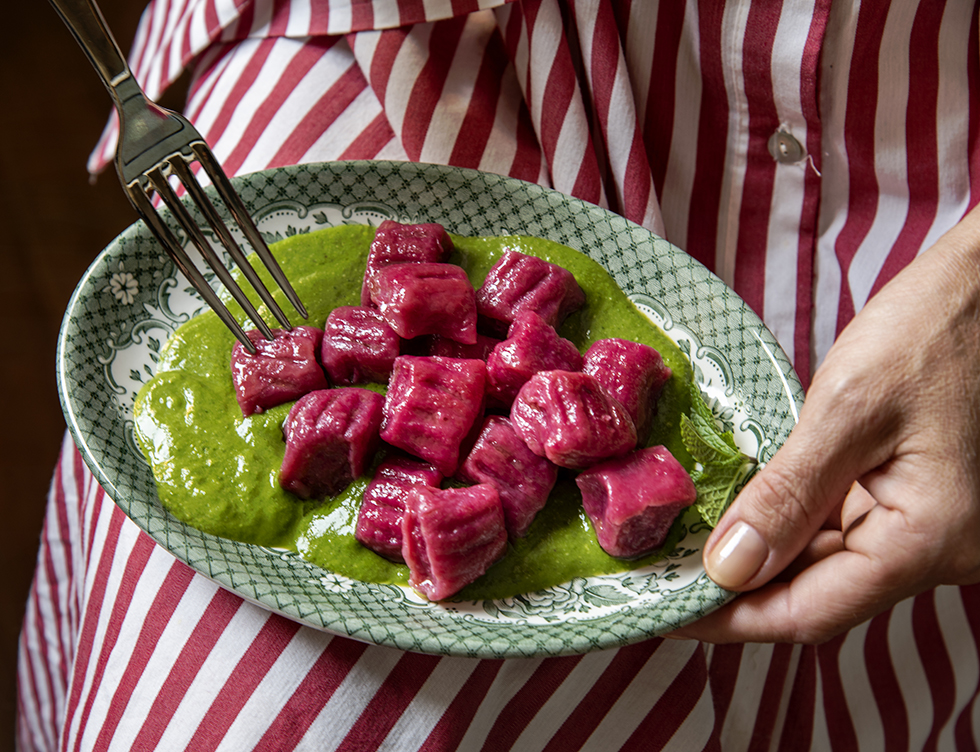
column 156, row 181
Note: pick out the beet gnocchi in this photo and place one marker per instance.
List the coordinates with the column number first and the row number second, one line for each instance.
column 486, row 404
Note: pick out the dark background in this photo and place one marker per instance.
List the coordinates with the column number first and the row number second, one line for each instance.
column 54, row 223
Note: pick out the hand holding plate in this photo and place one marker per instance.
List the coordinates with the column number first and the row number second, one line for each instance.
column 875, row 496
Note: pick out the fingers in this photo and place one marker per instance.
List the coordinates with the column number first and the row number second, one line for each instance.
column 895, row 407
column 857, row 504
column 841, row 579
column 825, row 543
column 825, row 599
column 801, row 490
column 831, row 538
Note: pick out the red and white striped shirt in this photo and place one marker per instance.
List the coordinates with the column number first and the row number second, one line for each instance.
column 667, row 112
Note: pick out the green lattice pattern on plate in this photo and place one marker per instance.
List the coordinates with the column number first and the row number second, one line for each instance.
column 130, row 300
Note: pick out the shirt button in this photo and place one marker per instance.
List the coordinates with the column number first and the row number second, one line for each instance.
column 785, row 149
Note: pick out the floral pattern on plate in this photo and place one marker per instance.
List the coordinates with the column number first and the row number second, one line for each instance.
column 132, row 298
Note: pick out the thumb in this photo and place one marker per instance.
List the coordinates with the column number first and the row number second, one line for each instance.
column 782, row 509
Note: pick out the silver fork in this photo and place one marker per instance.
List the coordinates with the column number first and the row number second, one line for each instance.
column 155, row 143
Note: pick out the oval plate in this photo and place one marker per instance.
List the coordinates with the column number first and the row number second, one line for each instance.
column 131, row 299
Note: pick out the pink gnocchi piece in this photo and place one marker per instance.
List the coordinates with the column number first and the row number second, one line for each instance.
column 522, row 479
column 379, row 520
column 279, row 371
column 633, row 500
column 571, row 419
column 451, row 537
column 420, row 299
column 331, row 436
column 634, row 373
column 520, row 282
column 432, row 405
column 532, row 345
column 358, row 346
column 396, row 243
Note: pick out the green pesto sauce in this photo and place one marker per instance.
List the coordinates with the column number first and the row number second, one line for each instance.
column 218, row 471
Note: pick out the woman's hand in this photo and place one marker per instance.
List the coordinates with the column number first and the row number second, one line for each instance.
column 876, row 494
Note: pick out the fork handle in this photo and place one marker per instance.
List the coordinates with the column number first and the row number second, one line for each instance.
column 89, row 28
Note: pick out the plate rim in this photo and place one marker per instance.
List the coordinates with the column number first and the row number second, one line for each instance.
column 714, row 595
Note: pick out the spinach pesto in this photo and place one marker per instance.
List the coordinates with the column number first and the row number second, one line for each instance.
column 217, row 471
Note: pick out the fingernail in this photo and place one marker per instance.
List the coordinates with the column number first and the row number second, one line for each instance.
column 737, row 557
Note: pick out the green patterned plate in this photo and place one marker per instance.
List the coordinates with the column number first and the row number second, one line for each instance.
column 131, row 299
